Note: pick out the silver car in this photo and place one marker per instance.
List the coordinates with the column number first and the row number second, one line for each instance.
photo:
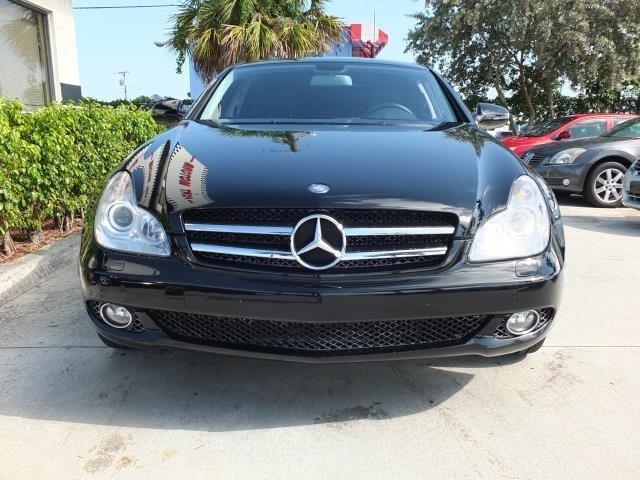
column 631, row 187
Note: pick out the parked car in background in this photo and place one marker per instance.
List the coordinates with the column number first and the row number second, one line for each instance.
column 326, row 210
column 631, row 187
column 594, row 167
column 564, row 128
column 504, row 131
column 170, row 112
column 503, row 134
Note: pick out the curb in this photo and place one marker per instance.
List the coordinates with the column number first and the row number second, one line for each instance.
column 18, row 277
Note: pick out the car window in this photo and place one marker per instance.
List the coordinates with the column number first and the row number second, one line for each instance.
column 630, row 128
column 591, row 127
column 328, row 92
column 618, row 120
column 547, row 127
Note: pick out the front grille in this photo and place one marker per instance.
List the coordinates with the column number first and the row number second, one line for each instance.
column 319, row 339
column 532, row 159
column 136, row 325
column 376, row 239
column 546, row 315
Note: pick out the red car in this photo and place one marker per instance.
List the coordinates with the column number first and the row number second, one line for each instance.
column 564, row 128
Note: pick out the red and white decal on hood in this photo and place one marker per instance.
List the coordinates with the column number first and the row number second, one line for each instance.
column 191, row 187
column 148, row 164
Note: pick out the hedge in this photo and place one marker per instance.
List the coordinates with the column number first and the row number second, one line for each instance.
column 53, row 162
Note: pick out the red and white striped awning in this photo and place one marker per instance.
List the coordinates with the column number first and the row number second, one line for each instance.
column 366, row 40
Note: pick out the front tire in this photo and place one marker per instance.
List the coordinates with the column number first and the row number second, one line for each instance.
column 603, row 187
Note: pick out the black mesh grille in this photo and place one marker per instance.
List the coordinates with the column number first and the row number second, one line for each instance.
column 351, row 218
column 546, row 315
column 136, row 325
column 345, row 265
column 383, row 242
column 323, row 339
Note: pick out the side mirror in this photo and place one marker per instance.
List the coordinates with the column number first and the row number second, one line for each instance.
column 564, row 135
column 490, row 116
column 166, row 109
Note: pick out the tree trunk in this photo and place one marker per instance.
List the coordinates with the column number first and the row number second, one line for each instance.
column 503, row 101
column 551, row 108
column 525, row 93
column 36, row 236
column 68, row 222
column 7, row 245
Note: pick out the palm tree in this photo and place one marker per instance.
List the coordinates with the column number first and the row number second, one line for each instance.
column 219, row 33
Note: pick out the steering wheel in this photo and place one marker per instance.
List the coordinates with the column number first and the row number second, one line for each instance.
column 390, row 106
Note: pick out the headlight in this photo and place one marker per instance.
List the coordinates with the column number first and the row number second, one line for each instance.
column 122, row 225
column 566, row 156
column 519, row 231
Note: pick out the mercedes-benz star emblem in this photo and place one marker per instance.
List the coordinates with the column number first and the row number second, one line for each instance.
column 318, row 242
column 319, row 188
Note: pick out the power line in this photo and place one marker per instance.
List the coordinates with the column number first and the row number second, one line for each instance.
column 105, row 7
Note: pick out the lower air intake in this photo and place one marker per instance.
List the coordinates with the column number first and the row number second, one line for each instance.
column 320, row 339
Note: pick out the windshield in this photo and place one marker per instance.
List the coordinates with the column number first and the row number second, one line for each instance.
column 630, row 128
column 328, row 93
column 546, row 127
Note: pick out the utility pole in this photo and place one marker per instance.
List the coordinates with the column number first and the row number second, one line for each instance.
column 123, row 83
column 375, row 36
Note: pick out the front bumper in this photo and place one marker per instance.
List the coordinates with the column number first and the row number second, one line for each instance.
column 146, row 284
column 565, row 178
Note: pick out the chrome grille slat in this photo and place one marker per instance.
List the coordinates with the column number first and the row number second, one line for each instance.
column 423, row 252
column 379, row 231
column 264, row 253
column 245, row 252
column 246, row 229
column 532, row 159
column 349, row 232
column 375, row 238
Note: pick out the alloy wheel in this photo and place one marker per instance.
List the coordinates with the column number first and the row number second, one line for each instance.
column 608, row 185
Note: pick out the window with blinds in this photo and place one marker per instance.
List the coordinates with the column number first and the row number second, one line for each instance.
column 24, row 69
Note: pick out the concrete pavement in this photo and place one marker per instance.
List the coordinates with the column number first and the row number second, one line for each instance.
column 71, row 408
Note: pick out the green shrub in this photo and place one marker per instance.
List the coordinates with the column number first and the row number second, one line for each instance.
column 53, row 162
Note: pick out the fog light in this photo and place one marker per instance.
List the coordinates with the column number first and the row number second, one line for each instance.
column 523, row 322
column 566, row 182
column 115, row 315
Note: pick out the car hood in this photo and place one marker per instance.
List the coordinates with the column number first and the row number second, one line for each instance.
column 459, row 169
column 521, row 140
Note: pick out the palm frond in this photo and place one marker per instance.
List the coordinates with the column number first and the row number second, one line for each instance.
column 219, row 33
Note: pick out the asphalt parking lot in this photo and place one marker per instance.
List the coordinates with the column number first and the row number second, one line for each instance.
column 71, row 408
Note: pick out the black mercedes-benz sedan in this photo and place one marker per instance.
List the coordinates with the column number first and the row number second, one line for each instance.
column 326, row 210
column 594, row 167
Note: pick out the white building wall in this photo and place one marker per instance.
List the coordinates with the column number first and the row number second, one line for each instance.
column 62, row 39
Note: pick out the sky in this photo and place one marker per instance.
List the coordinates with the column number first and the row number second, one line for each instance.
column 111, row 41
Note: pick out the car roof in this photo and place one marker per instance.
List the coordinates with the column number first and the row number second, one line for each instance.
column 588, row 115
column 336, row 60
